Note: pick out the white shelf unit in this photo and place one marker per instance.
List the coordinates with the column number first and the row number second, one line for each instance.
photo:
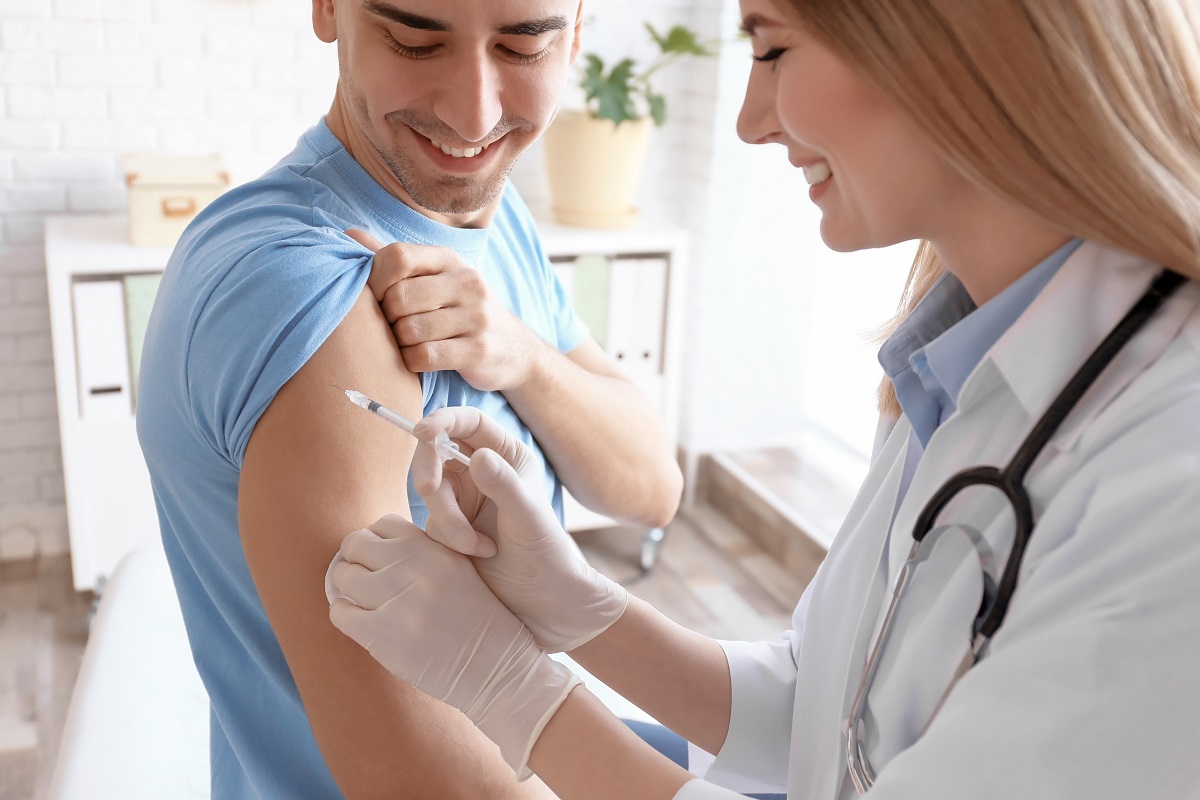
column 90, row 267
column 110, row 508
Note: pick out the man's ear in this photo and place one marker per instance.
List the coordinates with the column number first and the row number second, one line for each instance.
column 577, row 34
column 325, row 20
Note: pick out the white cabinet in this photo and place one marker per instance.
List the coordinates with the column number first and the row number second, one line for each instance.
column 94, row 275
column 101, row 288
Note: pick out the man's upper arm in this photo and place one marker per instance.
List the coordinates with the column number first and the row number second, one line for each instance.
column 316, row 468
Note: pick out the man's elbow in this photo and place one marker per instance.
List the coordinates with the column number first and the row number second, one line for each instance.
column 662, row 503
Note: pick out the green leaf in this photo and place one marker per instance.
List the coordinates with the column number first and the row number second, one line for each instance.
column 593, row 73
column 662, row 42
column 611, row 93
column 658, row 107
column 678, row 41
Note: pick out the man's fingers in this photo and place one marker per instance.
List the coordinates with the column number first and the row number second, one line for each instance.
column 365, row 239
column 399, row 261
column 418, row 322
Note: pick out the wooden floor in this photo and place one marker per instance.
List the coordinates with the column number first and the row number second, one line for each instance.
column 710, row 577
column 43, row 630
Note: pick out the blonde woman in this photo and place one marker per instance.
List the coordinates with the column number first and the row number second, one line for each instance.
column 1012, row 607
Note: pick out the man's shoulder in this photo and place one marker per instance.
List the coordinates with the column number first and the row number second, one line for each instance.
column 297, row 197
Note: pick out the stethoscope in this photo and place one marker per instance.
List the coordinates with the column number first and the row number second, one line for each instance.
column 1010, row 482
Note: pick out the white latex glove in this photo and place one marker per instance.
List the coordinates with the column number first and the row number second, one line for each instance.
column 422, row 611
column 499, row 506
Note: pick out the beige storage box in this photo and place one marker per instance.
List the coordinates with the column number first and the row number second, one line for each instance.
column 166, row 192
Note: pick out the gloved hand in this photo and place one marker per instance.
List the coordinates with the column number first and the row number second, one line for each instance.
column 423, row 612
column 536, row 570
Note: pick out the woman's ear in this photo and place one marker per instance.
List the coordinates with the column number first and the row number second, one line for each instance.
column 325, row 20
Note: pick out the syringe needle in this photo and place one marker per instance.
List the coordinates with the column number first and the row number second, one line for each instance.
column 445, row 448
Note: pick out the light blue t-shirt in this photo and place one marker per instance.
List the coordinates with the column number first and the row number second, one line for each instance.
column 256, row 284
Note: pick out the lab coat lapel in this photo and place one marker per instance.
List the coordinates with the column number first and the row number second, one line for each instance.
column 1093, row 290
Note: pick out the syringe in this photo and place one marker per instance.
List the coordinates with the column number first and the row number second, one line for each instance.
column 442, row 445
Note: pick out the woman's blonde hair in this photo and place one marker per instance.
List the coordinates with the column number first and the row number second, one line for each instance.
column 1084, row 112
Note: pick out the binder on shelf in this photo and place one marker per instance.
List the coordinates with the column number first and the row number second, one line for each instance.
column 621, row 344
column 637, row 307
column 140, row 291
column 650, row 314
column 102, row 358
column 590, row 294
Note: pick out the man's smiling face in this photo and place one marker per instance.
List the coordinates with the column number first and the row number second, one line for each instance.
column 447, row 95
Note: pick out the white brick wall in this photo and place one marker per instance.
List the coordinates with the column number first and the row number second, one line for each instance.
column 84, row 81
column 81, row 83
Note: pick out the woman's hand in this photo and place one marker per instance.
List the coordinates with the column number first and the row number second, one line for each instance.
column 536, row 570
column 423, row 612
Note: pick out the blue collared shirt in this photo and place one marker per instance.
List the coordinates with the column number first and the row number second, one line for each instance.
column 931, row 354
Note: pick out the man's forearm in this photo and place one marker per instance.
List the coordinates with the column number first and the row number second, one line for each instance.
column 678, row 676
column 603, row 438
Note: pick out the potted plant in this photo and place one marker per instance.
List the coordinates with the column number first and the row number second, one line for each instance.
column 594, row 156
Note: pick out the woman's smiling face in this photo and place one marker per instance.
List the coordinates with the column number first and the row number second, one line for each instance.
column 875, row 177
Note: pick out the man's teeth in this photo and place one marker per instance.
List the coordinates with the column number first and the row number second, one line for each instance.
column 817, row 173
column 469, row 152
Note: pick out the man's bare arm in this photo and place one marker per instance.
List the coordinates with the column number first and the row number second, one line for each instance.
column 601, row 434
column 316, row 468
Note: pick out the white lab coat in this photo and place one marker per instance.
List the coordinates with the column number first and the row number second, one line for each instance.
column 1091, row 689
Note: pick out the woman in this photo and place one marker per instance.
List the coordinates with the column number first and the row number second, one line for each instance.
column 1047, row 154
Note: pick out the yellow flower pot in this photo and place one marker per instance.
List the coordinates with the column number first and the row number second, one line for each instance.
column 594, row 168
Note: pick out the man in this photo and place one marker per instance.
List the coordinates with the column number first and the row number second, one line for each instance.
column 260, row 464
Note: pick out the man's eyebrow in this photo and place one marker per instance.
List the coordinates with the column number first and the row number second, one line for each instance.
column 405, row 18
column 532, row 28
column 535, row 27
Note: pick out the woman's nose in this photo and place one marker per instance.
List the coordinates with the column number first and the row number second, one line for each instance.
column 757, row 122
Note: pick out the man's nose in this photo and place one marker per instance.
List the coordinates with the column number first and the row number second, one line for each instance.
column 468, row 99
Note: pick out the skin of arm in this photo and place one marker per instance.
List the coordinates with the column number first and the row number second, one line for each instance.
column 680, row 677
column 316, row 467
column 579, row 746
column 600, row 432
column 597, row 429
